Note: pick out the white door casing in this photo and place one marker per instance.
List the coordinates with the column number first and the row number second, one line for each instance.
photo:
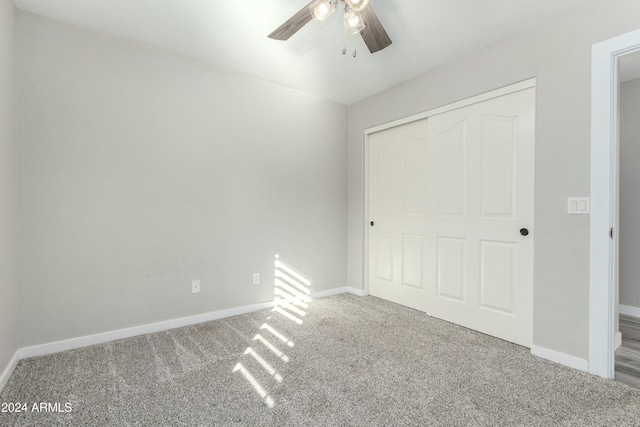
column 604, row 203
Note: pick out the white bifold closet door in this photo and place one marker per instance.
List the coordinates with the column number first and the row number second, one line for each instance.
column 454, row 195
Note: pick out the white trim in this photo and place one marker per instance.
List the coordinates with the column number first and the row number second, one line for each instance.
column 357, row 292
column 6, row 374
column 516, row 87
column 628, row 310
column 64, row 345
column 604, row 204
column 561, row 358
column 329, row 293
column 618, row 340
column 70, row 344
column 338, row 291
column 365, row 211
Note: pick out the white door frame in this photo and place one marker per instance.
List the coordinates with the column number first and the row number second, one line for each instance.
column 516, row 87
column 604, row 203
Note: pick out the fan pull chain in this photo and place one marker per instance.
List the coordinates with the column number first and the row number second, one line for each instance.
column 348, row 42
column 344, row 51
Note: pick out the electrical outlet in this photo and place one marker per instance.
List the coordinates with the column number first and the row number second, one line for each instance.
column 256, row 278
column 195, row 286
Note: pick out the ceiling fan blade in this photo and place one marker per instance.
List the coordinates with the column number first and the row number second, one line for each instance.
column 293, row 24
column 374, row 34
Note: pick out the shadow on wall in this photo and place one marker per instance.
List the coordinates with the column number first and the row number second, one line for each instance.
column 291, row 298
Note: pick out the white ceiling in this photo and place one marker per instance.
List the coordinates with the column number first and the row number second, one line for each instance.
column 233, row 35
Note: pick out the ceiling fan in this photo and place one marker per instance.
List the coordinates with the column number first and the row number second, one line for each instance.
column 359, row 18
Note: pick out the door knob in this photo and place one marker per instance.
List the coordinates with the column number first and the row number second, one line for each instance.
column 372, row 223
column 524, row 232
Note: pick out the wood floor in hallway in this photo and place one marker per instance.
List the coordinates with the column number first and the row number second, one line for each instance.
column 628, row 355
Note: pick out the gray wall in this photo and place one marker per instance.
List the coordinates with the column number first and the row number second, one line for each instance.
column 141, row 170
column 8, row 195
column 558, row 53
column 630, row 193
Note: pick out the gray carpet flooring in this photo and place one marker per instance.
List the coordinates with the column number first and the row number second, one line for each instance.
column 341, row 361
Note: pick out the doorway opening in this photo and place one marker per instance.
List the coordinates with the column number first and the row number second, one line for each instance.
column 605, row 201
column 627, row 356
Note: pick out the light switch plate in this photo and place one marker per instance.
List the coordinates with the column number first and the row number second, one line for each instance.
column 578, row 206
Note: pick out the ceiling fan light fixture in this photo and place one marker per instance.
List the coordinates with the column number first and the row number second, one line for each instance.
column 322, row 9
column 353, row 22
column 357, row 5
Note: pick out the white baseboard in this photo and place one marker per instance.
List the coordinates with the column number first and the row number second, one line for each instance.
column 70, row 344
column 618, row 339
column 628, row 310
column 6, row 374
column 338, row 291
column 561, row 358
column 329, row 293
column 356, row 291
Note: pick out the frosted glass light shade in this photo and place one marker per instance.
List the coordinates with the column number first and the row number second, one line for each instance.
column 353, row 23
column 322, row 9
column 358, row 5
